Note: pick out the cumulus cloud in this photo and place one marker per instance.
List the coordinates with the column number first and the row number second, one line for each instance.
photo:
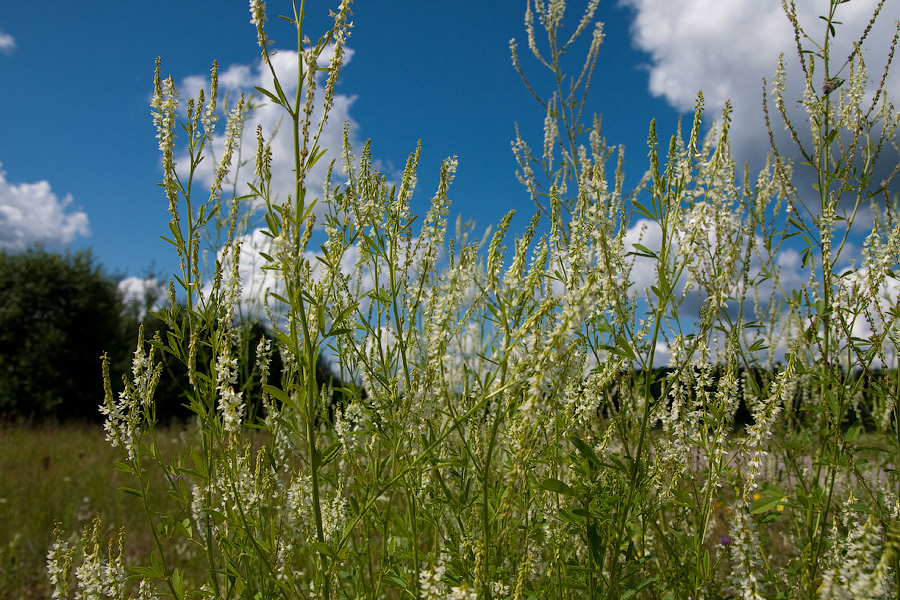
column 275, row 122
column 257, row 282
column 31, row 213
column 726, row 49
column 7, row 43
column 142, row 295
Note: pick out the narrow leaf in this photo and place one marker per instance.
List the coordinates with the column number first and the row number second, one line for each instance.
column 552, row 484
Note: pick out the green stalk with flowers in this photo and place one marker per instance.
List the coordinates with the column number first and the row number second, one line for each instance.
column 500, row 428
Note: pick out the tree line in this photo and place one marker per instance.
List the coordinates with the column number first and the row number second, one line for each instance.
column 59, row 314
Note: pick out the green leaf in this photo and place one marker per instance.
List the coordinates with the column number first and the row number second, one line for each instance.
column 269, row 95
column 156, row 564
column 644, row 251
column 683, row 498
column 123, row 467
column 622, row 348
column 315, row 154
column 551, row 484
column 832, row 401
column 596, row 543
column 278, row 394
column 336, row 328
column 806, row 258
column 132, row 491
column 643, row 210
column 325, row 549
column 337, row 332
column 145, row 573
column 330, row 453
column 585, row 450
column 178, row 583
column 586, row 514
column 176, row 232
column 643, row 584
column 320, row 317
column 757, row 346
column 765, row 504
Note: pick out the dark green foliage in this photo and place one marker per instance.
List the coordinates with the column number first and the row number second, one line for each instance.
column 174, row 389
column 58, row 315
column 173, row 393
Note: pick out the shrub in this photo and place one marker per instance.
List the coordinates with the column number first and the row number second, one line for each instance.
column 58, row 315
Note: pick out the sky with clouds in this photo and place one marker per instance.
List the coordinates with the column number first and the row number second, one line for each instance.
column 79, row 165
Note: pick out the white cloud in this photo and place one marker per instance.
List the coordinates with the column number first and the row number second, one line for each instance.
column 274, row 120
column 31, row 213
column 725, row 48
column 7, row 43
column 257, row 282
column 142, row 295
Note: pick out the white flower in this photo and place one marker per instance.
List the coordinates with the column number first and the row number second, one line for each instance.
column 230, row 402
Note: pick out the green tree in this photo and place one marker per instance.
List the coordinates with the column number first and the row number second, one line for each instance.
column 58, row 315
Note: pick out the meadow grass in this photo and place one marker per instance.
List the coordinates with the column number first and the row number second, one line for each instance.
column 63, row 475
column 503, row 432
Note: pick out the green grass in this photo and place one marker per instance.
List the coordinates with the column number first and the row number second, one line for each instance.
column 63, row 473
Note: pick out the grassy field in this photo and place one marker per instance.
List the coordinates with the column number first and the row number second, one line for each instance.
column 64, row 474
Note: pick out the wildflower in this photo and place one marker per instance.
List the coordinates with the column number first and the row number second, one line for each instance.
column 165, row 106
column 257, row 13
column 499, row 589
column 431, row 584
column 98, row 577
column 226, row 377
column 462, row 592
column 861, row 567
column 209, row 115
column 59, row 565
column 551, row 131
column 233, row 129
column 744, row 545
column 123, row 416
column 258, row 18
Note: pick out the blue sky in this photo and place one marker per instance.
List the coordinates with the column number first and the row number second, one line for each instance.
column 80, row 164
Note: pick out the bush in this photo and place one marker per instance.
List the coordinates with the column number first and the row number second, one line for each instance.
column 58, row 315
column 515, row 439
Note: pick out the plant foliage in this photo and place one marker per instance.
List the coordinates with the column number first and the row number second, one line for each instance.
column 515, row 439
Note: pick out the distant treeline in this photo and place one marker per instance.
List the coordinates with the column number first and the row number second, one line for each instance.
column 866, row 394
column 60, row 313
column 174, row 387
